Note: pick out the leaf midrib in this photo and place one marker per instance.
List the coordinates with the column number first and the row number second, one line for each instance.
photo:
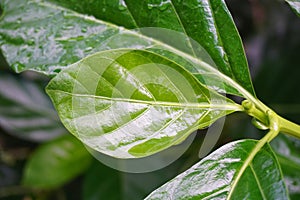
column 259, row 145
column 233, row 106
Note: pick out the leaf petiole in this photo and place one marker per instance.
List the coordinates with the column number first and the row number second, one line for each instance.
column 253, row 111
column 271, row 120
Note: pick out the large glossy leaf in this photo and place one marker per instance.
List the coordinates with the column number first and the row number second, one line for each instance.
column 55, row 163
column 288, row 154
column 48, row 35
column 228, row 173
column 133, row 103
column 26, row 111
column 295, row 5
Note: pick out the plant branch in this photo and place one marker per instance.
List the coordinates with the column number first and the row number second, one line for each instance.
column 289, row 127
column 271, row 120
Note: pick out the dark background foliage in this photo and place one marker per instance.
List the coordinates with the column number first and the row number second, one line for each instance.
column 271, row 35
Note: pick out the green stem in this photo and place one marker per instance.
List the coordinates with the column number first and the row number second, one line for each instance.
column 252, row 110
column 289, row 127
column 270, row 119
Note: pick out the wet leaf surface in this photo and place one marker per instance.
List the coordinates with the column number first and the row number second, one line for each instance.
column 47, row 36
column 134, row 103
column 221, row 175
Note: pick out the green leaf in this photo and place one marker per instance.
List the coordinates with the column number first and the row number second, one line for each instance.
column 295, row 5
column 116, row 185
column 288, row 154
column 228, row 173
column 102, row 182
column 134, row 103
column 55, row 163
column 48, row 35
column 26, row 111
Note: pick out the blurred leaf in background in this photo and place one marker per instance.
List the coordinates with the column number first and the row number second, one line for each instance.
column 26, row 111
column 27, row 118
column 288, row 155
column 102, row 182
column 56, row 163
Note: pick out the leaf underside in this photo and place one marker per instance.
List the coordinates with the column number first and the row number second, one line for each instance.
column 47, row 36
column 133, row 103
column 213, row 177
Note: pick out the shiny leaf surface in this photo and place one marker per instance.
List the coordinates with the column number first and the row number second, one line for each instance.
column 217, row 176
column 48, row 35
column 26, row 111
column 295, row 5
column 55, row 163
column 288, row 154
column 133, row 103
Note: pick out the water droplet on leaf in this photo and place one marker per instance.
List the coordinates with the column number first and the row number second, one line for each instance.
column 18, row 67
column 84, row 30
column 88, row 49
column 225, row 57
column 163, row 5
column 150, row 6
column 31, row 42
column 122, row 5
column 68, row 27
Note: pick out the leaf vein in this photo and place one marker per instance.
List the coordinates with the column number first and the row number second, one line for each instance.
column 257, row 181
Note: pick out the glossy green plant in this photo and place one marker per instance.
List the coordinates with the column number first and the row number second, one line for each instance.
column 152, row 101
column 109, row 49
